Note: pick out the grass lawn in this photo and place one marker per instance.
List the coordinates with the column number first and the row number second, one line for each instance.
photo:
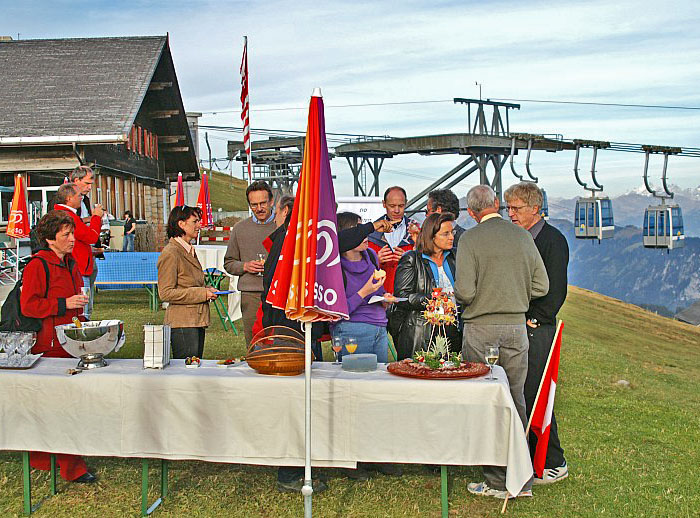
column 632, row 452
column 227, row 192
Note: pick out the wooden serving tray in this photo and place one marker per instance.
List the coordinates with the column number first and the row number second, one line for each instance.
column 411, row 369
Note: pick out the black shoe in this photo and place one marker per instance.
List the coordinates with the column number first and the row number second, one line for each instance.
column 87, row 478
column 319, row 486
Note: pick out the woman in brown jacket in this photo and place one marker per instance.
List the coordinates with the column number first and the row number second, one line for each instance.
column 181, row 284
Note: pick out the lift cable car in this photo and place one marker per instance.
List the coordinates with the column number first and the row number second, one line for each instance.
column 593, row 216
column 663, row 224
column 544, row 210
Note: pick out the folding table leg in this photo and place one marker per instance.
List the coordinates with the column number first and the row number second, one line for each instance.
column 27, row 483
column 443, row 491
column 145, row 509
column 26, row 477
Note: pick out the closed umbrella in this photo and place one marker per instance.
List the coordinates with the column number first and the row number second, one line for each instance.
column 204, row 203
column 18, row 226
column 308, row 281
column 179, row 192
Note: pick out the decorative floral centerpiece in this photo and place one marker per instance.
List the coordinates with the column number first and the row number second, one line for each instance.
column 440, row 311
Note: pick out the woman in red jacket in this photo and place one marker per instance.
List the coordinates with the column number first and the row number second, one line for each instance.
column 56, row 303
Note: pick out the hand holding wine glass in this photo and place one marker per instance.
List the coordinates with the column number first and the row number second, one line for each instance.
column 491, row 358
column 261, row 260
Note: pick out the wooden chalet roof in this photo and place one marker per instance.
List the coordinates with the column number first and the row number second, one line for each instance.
column 83, row 86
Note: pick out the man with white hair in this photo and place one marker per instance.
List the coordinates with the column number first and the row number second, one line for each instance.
column 499, row 271
column 524, row 201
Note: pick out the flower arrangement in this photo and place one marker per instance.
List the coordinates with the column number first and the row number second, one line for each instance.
column 440, row 311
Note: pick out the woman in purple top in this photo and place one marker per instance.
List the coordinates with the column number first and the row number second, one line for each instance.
column 367, row 321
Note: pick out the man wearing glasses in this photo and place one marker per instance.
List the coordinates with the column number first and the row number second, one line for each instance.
column 245, row 255
column 524, row 208
column 498, row 272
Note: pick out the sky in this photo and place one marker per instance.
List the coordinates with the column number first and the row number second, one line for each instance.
column 397, row 56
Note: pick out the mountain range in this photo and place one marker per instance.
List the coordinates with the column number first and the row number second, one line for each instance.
column 621, row 267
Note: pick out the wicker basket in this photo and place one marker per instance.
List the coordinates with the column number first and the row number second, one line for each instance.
column 277, row 350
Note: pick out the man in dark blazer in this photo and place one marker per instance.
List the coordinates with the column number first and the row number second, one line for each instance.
column 524, row 201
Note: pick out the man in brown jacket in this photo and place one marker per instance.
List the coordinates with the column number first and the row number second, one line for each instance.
column 245, row 255
column 181, row 284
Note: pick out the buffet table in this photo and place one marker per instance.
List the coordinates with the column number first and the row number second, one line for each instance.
column 235, row 415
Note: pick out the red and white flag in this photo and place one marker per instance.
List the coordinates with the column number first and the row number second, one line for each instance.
column 245, row 107
column 541, row 416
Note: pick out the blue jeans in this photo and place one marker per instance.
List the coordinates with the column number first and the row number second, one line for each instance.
column 370, row 338
column 128, row 244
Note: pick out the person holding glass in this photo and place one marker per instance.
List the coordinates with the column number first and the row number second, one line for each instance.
column 181, row 283
column 431, row 265
column 56, row 302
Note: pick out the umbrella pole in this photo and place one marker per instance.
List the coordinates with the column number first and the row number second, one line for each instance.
column 17, row 268
column 307, row 490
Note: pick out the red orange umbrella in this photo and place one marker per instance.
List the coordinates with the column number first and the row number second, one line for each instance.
column 18, row 226
column 308, row 281
column 204, row 203
column 179, row 192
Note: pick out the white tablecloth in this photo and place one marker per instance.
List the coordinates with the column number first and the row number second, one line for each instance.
column 236, row 415
column 212, row 256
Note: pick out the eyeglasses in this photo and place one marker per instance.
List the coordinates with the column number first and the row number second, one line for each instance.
column 446, row 234
column 512, row 208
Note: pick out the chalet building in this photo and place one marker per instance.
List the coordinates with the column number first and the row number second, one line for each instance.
column 111, row 103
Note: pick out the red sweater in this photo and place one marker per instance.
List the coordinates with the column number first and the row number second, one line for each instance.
column 85, row 237
column 64, row 281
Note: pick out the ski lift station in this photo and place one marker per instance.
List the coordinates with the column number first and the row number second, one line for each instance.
column 485, row 147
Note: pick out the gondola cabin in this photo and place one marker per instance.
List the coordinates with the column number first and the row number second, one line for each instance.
column 544, row 211
column 593, row 218
column 663, row 227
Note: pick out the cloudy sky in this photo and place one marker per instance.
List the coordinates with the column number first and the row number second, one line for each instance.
column 393, row 54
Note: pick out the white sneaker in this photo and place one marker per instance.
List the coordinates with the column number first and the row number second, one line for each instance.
column 552, row 475
column 483, row 489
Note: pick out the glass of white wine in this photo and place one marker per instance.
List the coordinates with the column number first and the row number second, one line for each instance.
column 491, row 358
column 261, row 260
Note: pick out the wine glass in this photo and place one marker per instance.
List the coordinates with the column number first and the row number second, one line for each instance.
column 491, row 358
column 261, row 258
column 11, row 344
column 337, row 346
column 3, row 341
column 351, row 344
column 26, row 342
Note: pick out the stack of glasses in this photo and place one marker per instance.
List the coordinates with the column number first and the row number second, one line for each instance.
column 16, row 345
column 156, row 347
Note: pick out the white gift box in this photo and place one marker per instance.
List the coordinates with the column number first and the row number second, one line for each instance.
column 156, row 346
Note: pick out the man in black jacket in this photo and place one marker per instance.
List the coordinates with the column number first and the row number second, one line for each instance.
column 524, row 201
column 444, row 200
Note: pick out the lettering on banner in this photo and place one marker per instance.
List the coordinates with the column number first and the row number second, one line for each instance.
column 329, row 297
column 326, row 255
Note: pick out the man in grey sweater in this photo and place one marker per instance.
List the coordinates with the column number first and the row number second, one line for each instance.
column 245, row 255
column 499, row 271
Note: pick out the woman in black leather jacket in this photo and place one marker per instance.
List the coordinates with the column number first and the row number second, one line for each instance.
column 430, row 265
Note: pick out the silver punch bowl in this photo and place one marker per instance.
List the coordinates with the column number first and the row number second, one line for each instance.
column 92, row 341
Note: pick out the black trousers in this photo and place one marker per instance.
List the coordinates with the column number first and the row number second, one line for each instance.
column 187, row 341
column 540, row 339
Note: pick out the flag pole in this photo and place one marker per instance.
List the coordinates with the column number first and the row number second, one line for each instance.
column 307, row 490
column 537, row 397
